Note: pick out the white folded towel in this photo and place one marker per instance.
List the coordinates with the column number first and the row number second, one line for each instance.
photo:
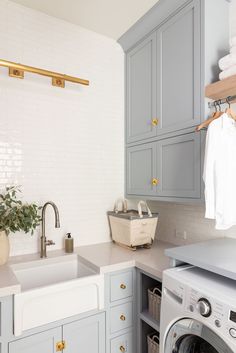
column 228, row 73
column 233, row 41
column 227, row 61
column 233, row 50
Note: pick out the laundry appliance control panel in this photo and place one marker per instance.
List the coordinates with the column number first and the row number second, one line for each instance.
column 216, row 313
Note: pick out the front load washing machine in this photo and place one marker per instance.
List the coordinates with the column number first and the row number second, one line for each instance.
column 198, row 312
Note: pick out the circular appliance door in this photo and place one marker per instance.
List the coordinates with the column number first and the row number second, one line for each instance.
column 191, row 336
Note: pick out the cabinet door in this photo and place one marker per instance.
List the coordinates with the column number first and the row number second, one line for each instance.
column 44, row 342
column 178, row 70
column 179, row 165
column 141, row 90
column 86, row 335
column 140, row 170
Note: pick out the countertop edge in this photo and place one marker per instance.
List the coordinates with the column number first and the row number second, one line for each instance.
column 11, row 286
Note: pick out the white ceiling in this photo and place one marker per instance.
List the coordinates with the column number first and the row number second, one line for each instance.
column 111, row 18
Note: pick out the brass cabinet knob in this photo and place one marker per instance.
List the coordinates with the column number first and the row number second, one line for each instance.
column 122, row 349
column 154, row 122
column 122, row 317
column 60, row 346
column 123, row 286
column 154, row 182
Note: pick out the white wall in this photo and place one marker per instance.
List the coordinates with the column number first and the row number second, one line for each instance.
column 64, row 145
column 233, row 18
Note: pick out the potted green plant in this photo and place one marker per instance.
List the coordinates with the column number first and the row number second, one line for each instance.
column 15, row 216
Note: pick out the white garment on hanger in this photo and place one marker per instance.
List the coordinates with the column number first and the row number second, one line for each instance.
column 220, row 172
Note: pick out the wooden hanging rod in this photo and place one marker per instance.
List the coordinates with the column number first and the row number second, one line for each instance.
column 17, row 70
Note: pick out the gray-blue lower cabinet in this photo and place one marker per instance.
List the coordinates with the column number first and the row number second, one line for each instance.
column 146, row 323
column 168, row 168
column 120, row 302
column 82, row 336
column 85, row 336
column 43, row 342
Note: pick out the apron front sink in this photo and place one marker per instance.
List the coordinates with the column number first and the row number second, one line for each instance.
column 54, row 289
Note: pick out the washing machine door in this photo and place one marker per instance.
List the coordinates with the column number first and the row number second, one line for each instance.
column 191, row 336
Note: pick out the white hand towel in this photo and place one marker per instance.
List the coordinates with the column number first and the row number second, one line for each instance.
column 227, row 61
column 228, row 73
column 220, row 171
column 233, row 50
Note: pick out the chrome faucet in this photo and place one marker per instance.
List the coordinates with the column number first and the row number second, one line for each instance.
column 44, row 241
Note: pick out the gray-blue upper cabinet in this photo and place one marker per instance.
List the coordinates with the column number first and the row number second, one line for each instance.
column 141, row 169
column 172, row 53
column 163, row 78
column 168, row 68
column 178, row 71
column 168, row 168
column 179, row 166
column 141, row 90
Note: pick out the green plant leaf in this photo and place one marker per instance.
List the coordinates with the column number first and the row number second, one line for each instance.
column 16, row 216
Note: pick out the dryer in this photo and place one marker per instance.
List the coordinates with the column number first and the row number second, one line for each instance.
column 198, row 312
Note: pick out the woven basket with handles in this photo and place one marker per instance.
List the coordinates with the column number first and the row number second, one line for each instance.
column 154, row 303
column 132, row 228
column 153, row 343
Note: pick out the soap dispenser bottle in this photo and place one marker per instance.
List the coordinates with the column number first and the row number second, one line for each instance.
column 69, row 243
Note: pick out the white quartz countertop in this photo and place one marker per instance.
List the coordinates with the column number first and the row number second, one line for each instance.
column 108, row 257
column 104, row 257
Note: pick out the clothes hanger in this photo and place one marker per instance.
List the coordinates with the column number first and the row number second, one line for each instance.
column 230, row 111
column 215, row 115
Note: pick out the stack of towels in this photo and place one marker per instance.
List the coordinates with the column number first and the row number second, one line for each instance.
column 228, row 63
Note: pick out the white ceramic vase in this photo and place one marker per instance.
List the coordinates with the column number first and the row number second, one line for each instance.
column 4, row 248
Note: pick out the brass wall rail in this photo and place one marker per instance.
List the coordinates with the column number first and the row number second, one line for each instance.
column 17, row 70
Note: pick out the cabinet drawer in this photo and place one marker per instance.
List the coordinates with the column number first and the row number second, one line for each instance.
column 121, row 317
column 121, row 286
column 122, row 344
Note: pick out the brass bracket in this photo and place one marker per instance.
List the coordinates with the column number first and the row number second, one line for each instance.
column 13, row 72
column 58, row 82
column 17, row 70
column 60, row 346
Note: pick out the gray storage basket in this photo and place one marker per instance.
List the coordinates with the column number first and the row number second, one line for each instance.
column 154, row 303
column 153, row 343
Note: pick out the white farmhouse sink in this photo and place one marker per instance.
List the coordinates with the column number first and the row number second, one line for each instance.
column 53, row 289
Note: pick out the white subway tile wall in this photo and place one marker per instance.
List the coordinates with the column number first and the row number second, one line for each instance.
column 185, row 218
column 67, row 145
column 64, row 145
